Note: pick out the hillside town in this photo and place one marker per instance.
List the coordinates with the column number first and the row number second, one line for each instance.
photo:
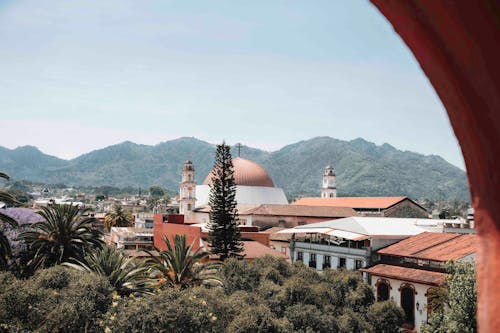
column 250, row 166
column 399, row 247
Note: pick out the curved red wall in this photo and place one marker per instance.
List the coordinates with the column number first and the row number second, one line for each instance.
column 457, row 44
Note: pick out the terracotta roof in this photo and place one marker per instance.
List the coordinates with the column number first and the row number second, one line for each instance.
column 254, row 249
column 299, row 210
column 272, row 230
column 407, row 274
column 246, row 173
column 434, row 246
column 352, row 202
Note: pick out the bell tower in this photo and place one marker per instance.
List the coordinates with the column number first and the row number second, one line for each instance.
column 329, row 186
column 187, row 191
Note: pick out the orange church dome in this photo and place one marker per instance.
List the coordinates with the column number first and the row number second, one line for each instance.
column 247, row 173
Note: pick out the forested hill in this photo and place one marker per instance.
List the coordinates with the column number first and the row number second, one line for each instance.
column 363, row 168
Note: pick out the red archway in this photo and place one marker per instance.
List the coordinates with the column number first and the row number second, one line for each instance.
column 457, row 44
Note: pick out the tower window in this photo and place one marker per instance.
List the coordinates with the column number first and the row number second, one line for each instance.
column 189, row 207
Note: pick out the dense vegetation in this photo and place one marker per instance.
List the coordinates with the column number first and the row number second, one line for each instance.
column 267, row 295
column 362, row 167
column 455, row 307
column 74, row 283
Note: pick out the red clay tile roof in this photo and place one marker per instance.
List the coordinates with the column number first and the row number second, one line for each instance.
column 254, row 249
column 407, row 274
column 433, row 246
column 300, row 210
column 353, row 202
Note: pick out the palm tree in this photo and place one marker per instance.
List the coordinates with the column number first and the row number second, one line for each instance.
column 180, row 266
column 118, row 217
column 63, row 235
column 126, row 275
column 7, row 198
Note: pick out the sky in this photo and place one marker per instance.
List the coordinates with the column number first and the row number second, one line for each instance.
column 80, row 75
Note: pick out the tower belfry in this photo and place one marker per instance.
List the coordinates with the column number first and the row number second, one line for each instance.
column 187, row 191
column 329, row 186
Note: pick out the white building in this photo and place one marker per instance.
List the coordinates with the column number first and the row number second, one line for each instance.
column 254, row 187
column 408, row 270
column 351, row 242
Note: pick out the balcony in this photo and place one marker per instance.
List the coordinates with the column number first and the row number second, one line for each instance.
column 331, row 249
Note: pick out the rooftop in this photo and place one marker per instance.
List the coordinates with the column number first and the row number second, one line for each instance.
column 299, row 210
column 369, row 226
column 352, row 202
column 434, row 246
column 407, row 274
column 247, row 173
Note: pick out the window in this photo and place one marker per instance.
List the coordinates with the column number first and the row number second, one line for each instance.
column 382, row 291
column 312, row 260
column 331, row 195
column 327, row 262
column 408, row 303
column 300, row 256
column 189, row 207
column 359, row 264
column 341, row 263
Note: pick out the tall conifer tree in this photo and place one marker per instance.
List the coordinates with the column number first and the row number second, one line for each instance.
column 224, row 236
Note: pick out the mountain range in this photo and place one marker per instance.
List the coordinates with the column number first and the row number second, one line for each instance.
column 363, row 168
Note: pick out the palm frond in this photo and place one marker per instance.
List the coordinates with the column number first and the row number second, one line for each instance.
column 180, row 266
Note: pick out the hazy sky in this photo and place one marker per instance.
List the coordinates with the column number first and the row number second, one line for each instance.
column 80, row 75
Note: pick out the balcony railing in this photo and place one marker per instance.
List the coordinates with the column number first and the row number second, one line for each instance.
column 331, row 248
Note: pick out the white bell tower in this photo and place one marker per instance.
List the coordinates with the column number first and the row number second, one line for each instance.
column 187, row 191
column 329, row 186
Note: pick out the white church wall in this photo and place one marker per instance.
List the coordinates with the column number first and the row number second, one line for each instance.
column 246, row 195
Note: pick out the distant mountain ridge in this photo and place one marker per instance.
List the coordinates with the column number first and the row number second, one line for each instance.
column 363, row 168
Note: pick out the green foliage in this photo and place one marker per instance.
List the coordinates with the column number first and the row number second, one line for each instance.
column 180, row 266
column 239, row 275
column 278, row 297
column 64, row 235
column 53, row 300
column 224, row 236
column 309, row 318
column 385, row 317
column 126, row 275
column 157, row 191
column 5, row 250
column 258, row 318
column 118, row 217
column 460, row 302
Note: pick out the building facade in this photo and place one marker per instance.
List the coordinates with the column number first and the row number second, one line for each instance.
column 407, row 271
column 187, row 191
column 329, row 184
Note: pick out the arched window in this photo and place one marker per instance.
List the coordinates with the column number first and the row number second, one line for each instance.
column 331, row 195
column 408, row 303
column 383, row 290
